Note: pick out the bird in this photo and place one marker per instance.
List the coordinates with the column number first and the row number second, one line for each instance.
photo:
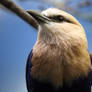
column 59, row 60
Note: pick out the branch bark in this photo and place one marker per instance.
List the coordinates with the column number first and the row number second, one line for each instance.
column 9, row 4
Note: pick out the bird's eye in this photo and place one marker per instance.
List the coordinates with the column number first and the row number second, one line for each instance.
column 60, row 18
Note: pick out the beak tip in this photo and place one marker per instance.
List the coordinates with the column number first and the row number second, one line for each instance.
column 29, row 11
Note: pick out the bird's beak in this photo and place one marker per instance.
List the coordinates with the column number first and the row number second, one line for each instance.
column 40, row 18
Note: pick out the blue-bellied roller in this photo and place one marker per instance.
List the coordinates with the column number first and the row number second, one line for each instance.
column 59, row 60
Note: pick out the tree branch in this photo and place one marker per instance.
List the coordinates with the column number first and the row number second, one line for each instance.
column 9, row 4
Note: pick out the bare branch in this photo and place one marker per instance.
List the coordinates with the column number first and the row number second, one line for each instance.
column 9, row 4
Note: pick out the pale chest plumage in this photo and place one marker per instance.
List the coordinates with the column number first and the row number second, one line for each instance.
column 56, row 65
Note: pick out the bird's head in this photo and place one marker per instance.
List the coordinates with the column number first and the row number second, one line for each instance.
column 56, row 26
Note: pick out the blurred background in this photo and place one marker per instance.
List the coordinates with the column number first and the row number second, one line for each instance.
column 17, row 38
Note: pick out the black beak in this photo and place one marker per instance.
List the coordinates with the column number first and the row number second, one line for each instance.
column 40, row 18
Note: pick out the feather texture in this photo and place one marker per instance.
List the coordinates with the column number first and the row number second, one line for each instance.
column 82, row 84
column 28, row 72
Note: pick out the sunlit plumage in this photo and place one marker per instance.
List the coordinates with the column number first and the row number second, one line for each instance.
column 59, row 61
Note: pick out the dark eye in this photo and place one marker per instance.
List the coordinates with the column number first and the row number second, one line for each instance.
column 60, row 18
column 57, row 18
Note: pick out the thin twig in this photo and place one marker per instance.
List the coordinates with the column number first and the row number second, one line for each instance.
column 9, row 4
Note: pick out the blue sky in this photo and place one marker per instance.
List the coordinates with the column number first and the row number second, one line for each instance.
column 17, row 39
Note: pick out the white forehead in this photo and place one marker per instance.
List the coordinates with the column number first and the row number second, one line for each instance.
column 54, row 11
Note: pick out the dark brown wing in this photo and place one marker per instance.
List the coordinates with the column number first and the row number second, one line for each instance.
column 90, row 57
column 91, row 67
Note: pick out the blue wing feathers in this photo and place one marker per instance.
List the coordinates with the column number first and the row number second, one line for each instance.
column 28, row 71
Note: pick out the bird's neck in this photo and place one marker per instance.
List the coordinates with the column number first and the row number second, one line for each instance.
column 50, row 38
column 46, row 37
